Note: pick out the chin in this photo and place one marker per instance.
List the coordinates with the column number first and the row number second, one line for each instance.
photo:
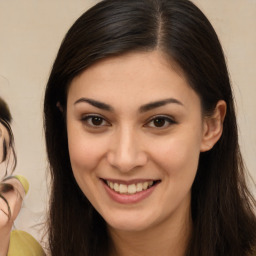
column 129, row 227
column 126, row 223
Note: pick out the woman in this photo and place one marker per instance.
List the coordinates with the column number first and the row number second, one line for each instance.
column 142, row 139
column 12, row 191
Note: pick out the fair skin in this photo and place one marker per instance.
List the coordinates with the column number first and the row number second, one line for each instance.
column 14, row 197
column 135, row 132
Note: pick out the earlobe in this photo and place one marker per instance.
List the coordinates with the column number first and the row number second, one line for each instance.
column 213, row 126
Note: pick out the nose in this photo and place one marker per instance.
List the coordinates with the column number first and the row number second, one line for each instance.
column 126, row 151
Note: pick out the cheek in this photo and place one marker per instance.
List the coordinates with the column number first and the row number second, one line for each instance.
column 178, row 162
column 85, row 156
column 85, row 152
column 178, row 157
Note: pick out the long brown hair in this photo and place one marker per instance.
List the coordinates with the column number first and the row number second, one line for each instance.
column 222, row 207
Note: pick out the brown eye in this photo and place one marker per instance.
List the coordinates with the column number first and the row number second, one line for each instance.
column 160, row 122
column 95, row 121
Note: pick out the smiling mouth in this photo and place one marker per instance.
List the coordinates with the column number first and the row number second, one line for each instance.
column 130, row 189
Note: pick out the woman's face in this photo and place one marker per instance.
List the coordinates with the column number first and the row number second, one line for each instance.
column 135, row 132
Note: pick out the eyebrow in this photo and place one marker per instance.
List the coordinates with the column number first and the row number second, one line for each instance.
column 157, row 104
column 143, row 108
column 95, row 103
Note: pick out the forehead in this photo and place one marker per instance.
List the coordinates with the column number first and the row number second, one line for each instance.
column 135, row 78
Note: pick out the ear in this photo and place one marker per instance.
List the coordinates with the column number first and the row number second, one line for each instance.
column 213, row 126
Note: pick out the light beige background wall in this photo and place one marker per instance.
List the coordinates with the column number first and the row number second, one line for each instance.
column 30, row 34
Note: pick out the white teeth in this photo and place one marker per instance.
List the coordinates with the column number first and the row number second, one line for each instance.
column 111, row 185
column 145, row 185
column 116, row 187
column 139, row 187
column 123, row 189
column 129, row 189
column 132, row 189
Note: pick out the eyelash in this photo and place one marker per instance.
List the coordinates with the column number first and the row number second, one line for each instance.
column 168, row 121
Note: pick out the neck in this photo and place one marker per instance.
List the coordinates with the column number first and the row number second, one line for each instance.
column 171, row 237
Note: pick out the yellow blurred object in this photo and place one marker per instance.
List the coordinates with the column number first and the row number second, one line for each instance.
column 23, row 244
column 23, row 181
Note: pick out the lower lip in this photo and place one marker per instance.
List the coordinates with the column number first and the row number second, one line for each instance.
column 129, row 199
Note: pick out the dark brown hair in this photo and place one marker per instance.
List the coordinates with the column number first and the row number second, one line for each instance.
column 222, row 207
